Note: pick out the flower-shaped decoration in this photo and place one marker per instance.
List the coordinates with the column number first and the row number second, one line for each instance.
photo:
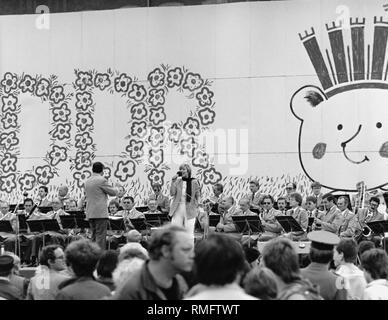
column 156, row 177
column 156, row 157
column 211, row 176
column 83, row 160
column 156, row 97
column 9, row 103
column 138, row 92
column 84, row 101
column 80, row 177
column 139, row 111
column 44, row 174
column 139, row 129
column 8, row 163
column 62, row 131
column 102, row 81
column 8, row 182
column 42, row 88
column 206, row 116
column 205, row 97
column 107, row 172
column 191, row 127
column 61, row 113
column 9, row 82
column 157, row 115
column 135, row 149
column 156, row 137
column 27, row 84
column 8, row 139
column 174, row 133
column 84, row 79
column 188, row 146
column 174, row 77
column 27, row 182
column 124, row 170
column 84, row 120
column 57, row 155
column 200, row 159
column 9, row 120
column 57, row 94
column 83, row 140
column 156, row 78
column 193, row 81
column 122, row 83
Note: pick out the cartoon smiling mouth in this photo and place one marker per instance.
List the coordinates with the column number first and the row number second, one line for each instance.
column 343, row 145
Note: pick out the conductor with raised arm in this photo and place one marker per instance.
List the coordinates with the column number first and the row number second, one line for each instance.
column 97, row 190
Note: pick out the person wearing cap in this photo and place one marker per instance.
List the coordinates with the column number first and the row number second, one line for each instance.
column 331, row 219
column 317, row 194
column 8, row 291
column 331, row 286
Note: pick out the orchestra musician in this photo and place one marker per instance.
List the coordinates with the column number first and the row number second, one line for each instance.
column 271, row 226
column 317, row 194
column 290, row 189
column 282, row 205
column 299, row 214
column 9, row 239
column 331, row 219
column 129, row 211
column 218, row 194
column 312, row 211
column 255, row 196
column 228, row 209
column 361, row 199
column 114, row 237
column 370, row 214
column 42, row 200
column 62, row 195
column 349, row 224
column 152, row 207
column 163, row 202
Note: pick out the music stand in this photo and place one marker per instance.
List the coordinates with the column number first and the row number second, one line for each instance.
column 45, row 209
column 214, row 219
column 116, row 224
column 255, row 210
column 12, row 207
column 155, row 220
column 289, row 224
column 5, row 226
column 139, row 224
column 68, row 222
column 142, row 209
column 247, row 224
column 75, row 212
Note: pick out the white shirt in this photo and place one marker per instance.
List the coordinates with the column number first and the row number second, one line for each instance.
column 355, row 282
column 376, row 290
column 227, row 292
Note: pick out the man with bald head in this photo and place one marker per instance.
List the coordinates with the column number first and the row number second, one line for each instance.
column 226, row 223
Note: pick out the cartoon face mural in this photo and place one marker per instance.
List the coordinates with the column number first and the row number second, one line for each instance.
column 343, row 139
column 343, row 134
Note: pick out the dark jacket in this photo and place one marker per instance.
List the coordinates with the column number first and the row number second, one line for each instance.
column 83, row 288
column 141, row 286
column 8, row 291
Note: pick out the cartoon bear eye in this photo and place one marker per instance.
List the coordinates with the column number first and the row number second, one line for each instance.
column 379, row 125
column 339, row 127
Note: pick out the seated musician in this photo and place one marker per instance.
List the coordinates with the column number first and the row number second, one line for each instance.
column 162, row 201
column 317, row 194
column 271, row 226
column 299, row 214
column 370, row 214
column 62, row 195
column 114, row 237
column 71, row 205
column 255, row 197
column 312, row 211
column 42, row 199
column 227, row 209
column 290, row 189
column 218, row 195
column 53, row 237
column 331, row 219
column 152, row 207
column 282, row 205
column 349, row 224
column 129, row 212
column 9, row 238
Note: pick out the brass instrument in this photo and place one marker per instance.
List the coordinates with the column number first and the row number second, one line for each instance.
column 364, row 230
column 360, row 199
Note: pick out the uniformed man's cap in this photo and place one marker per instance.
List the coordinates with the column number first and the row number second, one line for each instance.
column 323, row 240
column 316, row 184
column 6, row 263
